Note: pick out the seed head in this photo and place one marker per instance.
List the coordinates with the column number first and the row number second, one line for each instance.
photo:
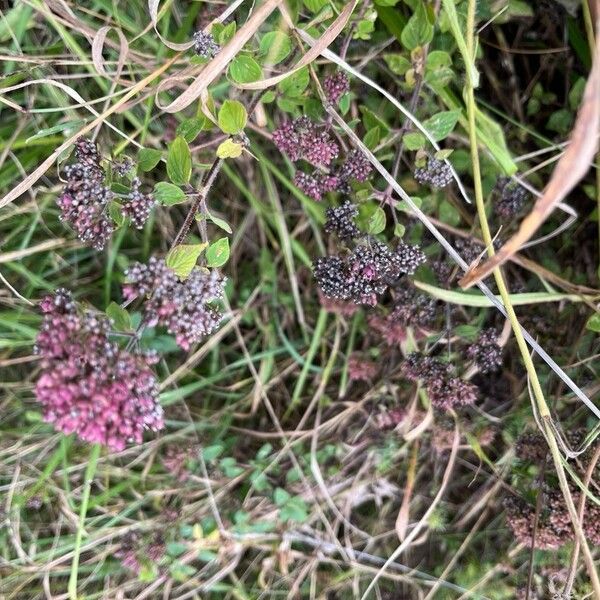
column 301, row 138
column 340, row 220
column 205, row 45
column 355, row 167
column 486, row 352
column 335, row 86
column 511, row 200
column 436, row 174
column 138, row 205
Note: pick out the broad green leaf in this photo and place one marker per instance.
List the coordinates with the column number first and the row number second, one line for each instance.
column 229, row 149
column 182, row 259
column 232, row 117
column 217, row 254
column 593, row 323
column 315, row 5
column 179, row 161
column 119, row 317
column 376, row 223
column 275, row 46
column 190, row 128
column 221, row 223
column 244, row 69
column 397, row 63
column 441, row 125
column 148, row 158
column 168, row 194
column 414, row 140
column 116, row 214
column 295, row 84
column 418, row 31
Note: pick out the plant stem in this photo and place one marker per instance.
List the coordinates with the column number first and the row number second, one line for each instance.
column 538, row 394
column 85, row 498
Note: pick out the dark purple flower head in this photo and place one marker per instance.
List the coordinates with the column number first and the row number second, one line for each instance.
column 315, row 185
column 412, row 308
column 444, row 390
column 85, row 198
column 88, row 385
column 511, row 200
column 486, row 352
column 123, row 166
column 205, row 45
column 138, row 205
column 301, row 138
column 355, row 167
column 436, row 174
column 181, row 306
column 366, row 272
column 335, row 86
column 340, row 220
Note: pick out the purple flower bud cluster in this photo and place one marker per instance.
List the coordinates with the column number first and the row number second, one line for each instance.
column 90, row 386
column 340, row 220
column 205, row 45
column 390, row 418
column 413, row 308
column 436, row 174
column 356, row 166
column 511, row 200
column 84, row 199
column 531, row 447
column 301, row 138
column 486, row 352
column 317, row 184
column 123, row 166
column 137, row 205
column 335, row 86
column 181, row 306
column 445, row 391
column 366, row 272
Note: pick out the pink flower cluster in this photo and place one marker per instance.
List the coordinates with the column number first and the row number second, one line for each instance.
column 181, row 306
column 88, row 385
column 301, row 139
column 335, row 86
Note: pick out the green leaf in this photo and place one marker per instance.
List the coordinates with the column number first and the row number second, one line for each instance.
column 190, row 128
column 397, row 63
column 593, row 323
column 148, row 158
column 418, row 31
column 168, row 194
column 179, row 161
column 386, row 2
column 280, row 496
column 221, row 223
column 116, row 214
column 232, row 117
column 119, row 317
column 294, row 85
column 217, row 254
column 244, row 69
column 315, row 5
column 399, row 230
column 372, row 137
column 376, row 223
column 441, row 125
column 182, row 259
column 229, row 149
column 414, row 140
column 275, row 47
column 223, row 34
column 56, row 129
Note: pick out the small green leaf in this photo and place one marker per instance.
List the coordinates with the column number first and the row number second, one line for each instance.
column 168, row 194
column 275, row 47
column 372, row 137
column 414, row 140
column 593, row 323
column 225, row 33
column 115, row 213
column 376, row 223
column 232, row 117
column 224, row 225
column 119, row 317
column 294, row 85
column 418, row 31
column 399, row 230
column 441, row 125
column 280, row 496
column 148, row 158
column 55, row 129
column 217, row 254
column 190, row 128
column 179, row 161
column 244, row 69
column 397, row 63
column 229, row 149
column 182, row 259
